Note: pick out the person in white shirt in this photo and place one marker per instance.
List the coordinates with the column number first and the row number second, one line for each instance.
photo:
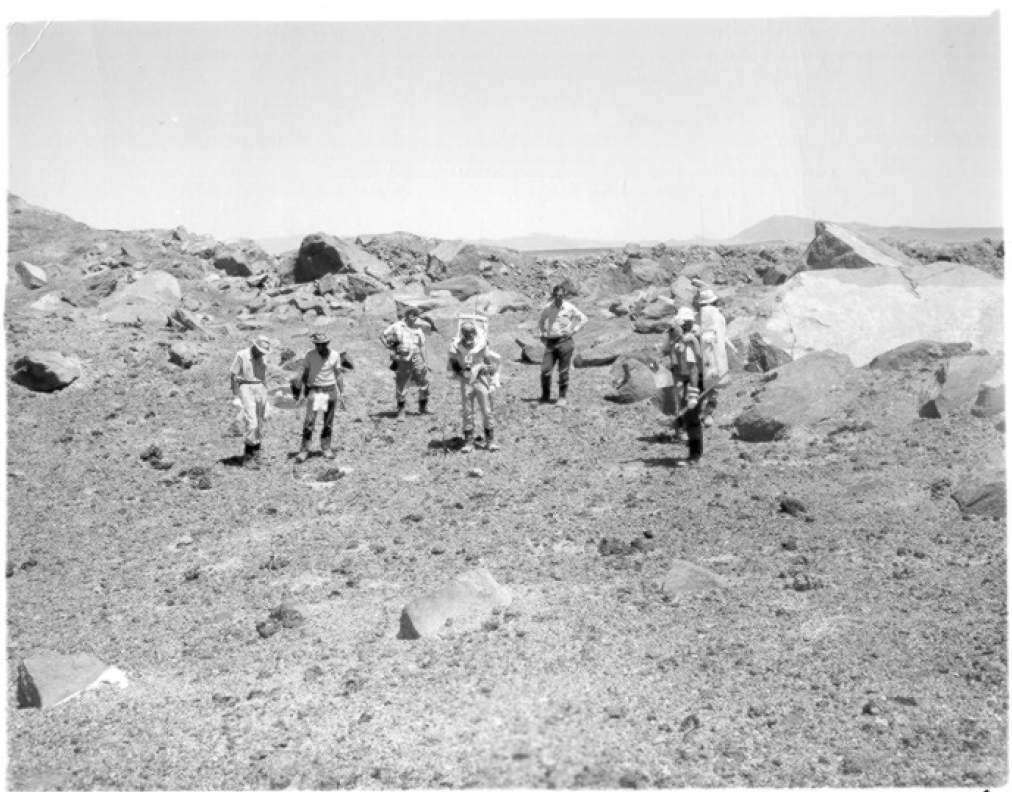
column 407, row 342
column 475, row 366
column 322, row 384
column 248, row 376
column 713, row 348
column 560, row 321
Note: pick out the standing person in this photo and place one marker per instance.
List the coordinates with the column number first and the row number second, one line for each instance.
column 407, row 342
column 713, row 348
column 248, row 376
column 322, row 383
column 560, row 321
column 684, row 358
column 475, row 366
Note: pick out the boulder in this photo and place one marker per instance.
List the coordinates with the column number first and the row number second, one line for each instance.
column 760, row 356
column 683, row 290
column 991, row 397
column 607, row 349
column 150, row 298
column 816, row 388
column 362, row 286
column 49, row 303
column 685, row 577
column 382, row 305
column 331, row 284
column 959, row 382
column 231, row 262
column 655, row 317
column 836, row 247
column 500, row 301
column 320, row 254
column 531, row 349
column 865, row 312
column 46, row 370
column 632, row 381
column 182, row 355
column 466, row 600
column 45, row 680
column 32, row 276
column 462, row 288
column 982, row 491
column 442, row 254
column 425, row 302
column 917, row 354
column 645, row 270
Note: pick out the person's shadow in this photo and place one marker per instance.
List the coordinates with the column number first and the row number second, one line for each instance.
column 385, row 414
column 232, row 461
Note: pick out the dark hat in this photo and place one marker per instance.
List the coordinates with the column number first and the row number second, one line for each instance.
column 320, row 338
column 412, row 310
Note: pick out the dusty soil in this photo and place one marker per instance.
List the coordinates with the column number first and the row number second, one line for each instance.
column 861, row 640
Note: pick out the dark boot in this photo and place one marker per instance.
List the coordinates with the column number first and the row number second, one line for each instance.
column 325, row 447
column 490, row 443
column 468, row 443
column 423, row 406
column 249, row 459
column 546, row 389
column 695, row 450
column 303, row 454
column 401, row 410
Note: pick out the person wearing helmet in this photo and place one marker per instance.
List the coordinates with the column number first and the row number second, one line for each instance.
column 682, row 354
column 475, row 367
column 406, row 341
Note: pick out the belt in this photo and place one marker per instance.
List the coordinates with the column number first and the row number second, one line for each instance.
column 322, row 387
column 251, row 382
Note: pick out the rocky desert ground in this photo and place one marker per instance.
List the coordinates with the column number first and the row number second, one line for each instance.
column 843, row 623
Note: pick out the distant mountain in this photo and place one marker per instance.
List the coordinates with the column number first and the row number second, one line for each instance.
column 278, row 245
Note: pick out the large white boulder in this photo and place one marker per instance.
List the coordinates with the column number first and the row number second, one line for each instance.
column 32, row 276
column 152, row 297
column 865, row 312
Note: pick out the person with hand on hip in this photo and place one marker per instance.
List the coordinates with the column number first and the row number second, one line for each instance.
column 560, row 321
column 323, row 386
column 248, row 376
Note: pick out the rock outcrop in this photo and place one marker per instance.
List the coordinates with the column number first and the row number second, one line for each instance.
column 959, row 382
column 836, row 247
column 865, row 312
column 816, row 388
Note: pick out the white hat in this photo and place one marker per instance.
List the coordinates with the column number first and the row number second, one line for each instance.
column 707, row 297
column 685, row 314
column 262, row 343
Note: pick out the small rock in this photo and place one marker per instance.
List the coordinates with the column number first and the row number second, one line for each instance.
column 438, row 549
column 468, row 597
column 46, row 371
column 267, row 628
column 476, row 473
column 32, row 276
column 203, row 483
column 792, row 506
column 287, row 616
column 152, row 453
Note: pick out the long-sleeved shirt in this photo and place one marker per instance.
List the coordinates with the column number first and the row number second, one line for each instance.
column 247, row 369
column 320, row 372
column 560, row 321
column 462, row 360
column 405, row 341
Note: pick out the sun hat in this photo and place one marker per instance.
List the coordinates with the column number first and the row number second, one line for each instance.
column 412, row 310
column 320, row 338
column 707, row 297
column 685, row 314
column 262, row 343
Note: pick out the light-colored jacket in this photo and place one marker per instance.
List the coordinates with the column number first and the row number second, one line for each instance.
column 404, row 341
column 477, row 364
column 713, row 344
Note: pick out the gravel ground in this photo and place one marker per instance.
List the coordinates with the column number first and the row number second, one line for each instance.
column 861, row 640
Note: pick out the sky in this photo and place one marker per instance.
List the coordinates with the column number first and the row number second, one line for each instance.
column 617, row 129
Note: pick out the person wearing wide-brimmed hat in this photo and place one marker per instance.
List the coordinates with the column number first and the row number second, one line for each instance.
column 560, row 320
column 713, row 349
column 406, row 341
column 323, row 386
column 249, row 384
